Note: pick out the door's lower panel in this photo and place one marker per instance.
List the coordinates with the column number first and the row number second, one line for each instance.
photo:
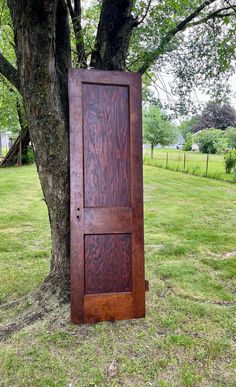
column 109, row 307
column 108, row 263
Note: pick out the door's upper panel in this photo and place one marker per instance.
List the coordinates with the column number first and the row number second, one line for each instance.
column 106, row 145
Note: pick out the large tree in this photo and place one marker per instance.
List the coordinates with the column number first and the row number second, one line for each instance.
column 157, row 128
column 215, row 115
column 129, row 34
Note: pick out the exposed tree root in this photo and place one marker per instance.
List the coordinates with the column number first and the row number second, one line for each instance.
column 23, row 321
column 48, row 297
column 12, row 304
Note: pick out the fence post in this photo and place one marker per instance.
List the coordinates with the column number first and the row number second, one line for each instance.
column 184, row 160
column 166, row 159
column 207, row 163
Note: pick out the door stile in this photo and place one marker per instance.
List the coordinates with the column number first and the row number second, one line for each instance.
column 137, row 195
column 77, row 200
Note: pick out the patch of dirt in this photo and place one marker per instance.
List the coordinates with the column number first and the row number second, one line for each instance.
column 112, row 369
column 230, row 254
column 154, row 247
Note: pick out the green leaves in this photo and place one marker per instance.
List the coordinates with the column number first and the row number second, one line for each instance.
column 9, row 120
column 8, row 94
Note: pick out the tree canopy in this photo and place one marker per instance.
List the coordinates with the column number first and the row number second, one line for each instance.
column 193, row 41
column 215, row 115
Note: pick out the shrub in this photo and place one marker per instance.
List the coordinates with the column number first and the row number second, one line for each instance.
column 230, row 161
column 28, row 156
column 208, row 140
column 230, row 136
column 221, row 145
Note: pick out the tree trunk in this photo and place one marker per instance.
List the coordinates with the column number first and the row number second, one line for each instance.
column 43, row 57
column 152, row 147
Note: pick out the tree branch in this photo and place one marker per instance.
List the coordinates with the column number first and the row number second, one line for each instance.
column 71, row 10
column 9, row 72
column 215, row 14
column 180, row 27
column 209, row 17
column 113, row 35
column 231, row 6
column 138, row 22
column 75, row 14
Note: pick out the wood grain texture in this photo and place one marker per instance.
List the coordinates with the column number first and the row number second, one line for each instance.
column 108, row 263
column 76, row 197
column 107, row 220
column 106, row 145
column 110, row 307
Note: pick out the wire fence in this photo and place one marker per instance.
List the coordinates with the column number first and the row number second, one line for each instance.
column 194, row 163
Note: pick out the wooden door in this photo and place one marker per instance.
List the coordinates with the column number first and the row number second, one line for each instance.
column 107, row 247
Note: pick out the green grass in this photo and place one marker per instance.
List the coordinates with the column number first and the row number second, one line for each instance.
column 195, row 163
column 187, row 338
column 24, row 232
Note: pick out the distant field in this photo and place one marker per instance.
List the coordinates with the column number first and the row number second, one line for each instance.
column 194, row 163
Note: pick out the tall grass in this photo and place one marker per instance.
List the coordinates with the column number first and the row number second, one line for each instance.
column 194, row 163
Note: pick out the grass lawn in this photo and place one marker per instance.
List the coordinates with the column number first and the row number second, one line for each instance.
column 188, row 336
column 195, row 163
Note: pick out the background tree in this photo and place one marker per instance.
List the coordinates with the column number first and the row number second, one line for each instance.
column 158, row 130
column 43, row 47
column 215, row 115
column 230, row 136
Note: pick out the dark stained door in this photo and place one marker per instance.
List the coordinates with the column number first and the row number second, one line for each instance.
column 107, row 252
